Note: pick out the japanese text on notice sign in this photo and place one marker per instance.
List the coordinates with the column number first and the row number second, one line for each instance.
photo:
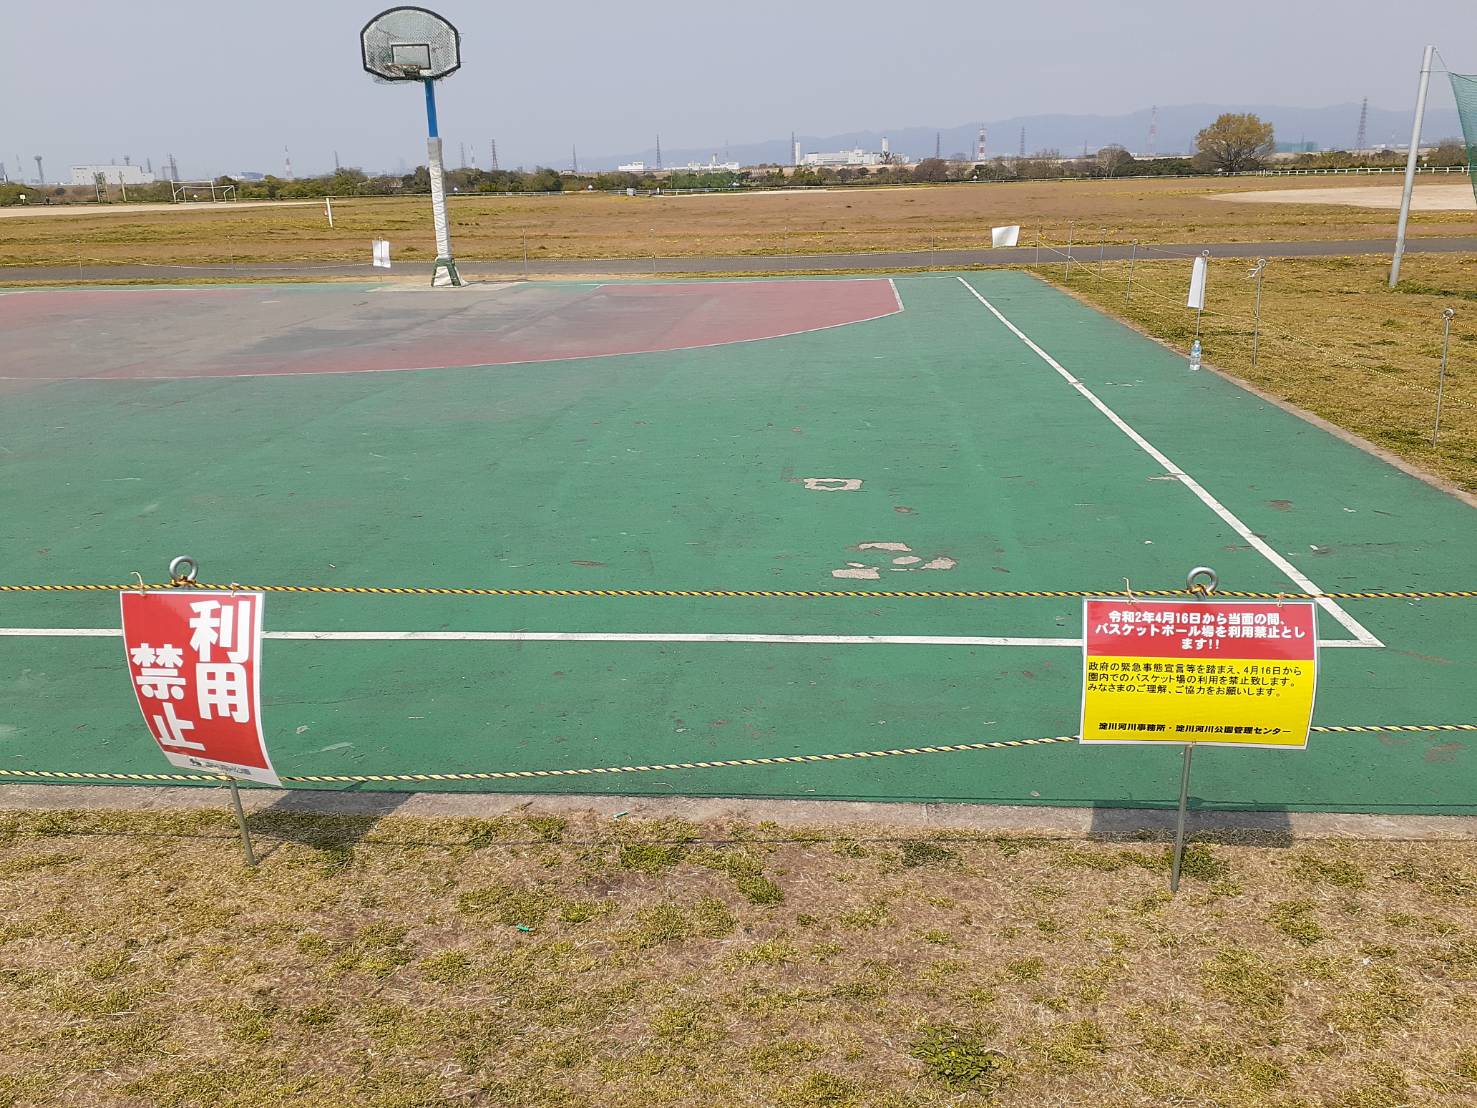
column 194, row 659
column 1230, row 672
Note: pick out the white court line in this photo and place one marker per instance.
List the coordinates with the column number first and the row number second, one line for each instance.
column 604, row 636
column 895, row 294
column 1304, row 583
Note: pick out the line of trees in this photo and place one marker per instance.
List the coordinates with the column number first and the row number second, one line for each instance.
column 1232, row 143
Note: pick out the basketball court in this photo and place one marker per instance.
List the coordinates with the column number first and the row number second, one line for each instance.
column 845, row 472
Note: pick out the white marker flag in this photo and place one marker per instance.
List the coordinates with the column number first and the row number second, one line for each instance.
column 382, row 253
column 1197, row 285
column 1005, row 236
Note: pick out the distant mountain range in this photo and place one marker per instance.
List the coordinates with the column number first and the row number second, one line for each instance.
column 1331, row 128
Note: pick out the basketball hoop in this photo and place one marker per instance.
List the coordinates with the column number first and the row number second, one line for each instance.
column 410, row 44
column 413, row 44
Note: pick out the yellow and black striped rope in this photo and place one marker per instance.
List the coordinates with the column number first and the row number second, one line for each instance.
column 603, row 771
column 760, row 594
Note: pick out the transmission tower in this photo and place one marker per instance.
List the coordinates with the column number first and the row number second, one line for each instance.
column 464, row 157
column 938, row 143
column 492, row 155
column 574, row 160
column 1023, row 142
column 659, row 151
column 173, row 169
column 1153, row 130
column 979, row 149
column 40, row 173
column 1362, row 137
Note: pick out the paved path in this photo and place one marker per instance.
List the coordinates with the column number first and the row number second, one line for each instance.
column 891, row 261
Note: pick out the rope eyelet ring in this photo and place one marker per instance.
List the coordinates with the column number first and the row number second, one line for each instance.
column 1192, row 580
column 182, row 570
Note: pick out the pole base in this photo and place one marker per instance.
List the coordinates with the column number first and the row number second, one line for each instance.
column 444, row 274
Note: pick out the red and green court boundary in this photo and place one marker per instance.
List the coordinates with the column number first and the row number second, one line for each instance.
column 999, row 432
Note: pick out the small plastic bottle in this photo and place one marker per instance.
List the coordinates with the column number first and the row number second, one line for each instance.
column 1195, row 355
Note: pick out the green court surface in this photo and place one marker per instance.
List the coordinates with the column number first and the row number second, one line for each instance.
column 699, row 468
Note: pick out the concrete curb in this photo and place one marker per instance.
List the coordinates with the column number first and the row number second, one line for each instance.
column 901, row 817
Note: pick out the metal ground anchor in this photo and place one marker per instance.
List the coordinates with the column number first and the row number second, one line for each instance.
column 182, row 570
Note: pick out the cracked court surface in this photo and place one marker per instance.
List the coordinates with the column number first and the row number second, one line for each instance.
column 739, row 436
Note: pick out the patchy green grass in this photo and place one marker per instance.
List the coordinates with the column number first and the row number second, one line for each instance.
column 550, row 961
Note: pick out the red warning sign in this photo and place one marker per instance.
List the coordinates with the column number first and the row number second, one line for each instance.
column 195, row 662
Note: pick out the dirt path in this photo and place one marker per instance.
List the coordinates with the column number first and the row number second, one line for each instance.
column 1427, row 198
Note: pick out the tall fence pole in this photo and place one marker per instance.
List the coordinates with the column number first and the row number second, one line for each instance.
column 1410, row 160
column 1441, row 381
column 1132, row 257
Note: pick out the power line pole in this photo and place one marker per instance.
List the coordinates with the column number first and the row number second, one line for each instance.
column 1415, row 149
column 492, row 163
column 1361, row 139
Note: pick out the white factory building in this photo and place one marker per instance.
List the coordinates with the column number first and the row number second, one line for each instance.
column 857, row 156
column 111, row 174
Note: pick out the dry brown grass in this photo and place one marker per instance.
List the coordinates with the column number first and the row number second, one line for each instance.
column 534, row 961
column 601, row 226
column 1335, row 340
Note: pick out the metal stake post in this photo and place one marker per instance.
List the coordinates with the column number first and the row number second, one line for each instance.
column 1132, row 257
column 1071, row 227
column 241, row 823
column 1102, row 249
column 1193, row 584
column 1256, row 330
column 1441, row 381
column 1179, row 826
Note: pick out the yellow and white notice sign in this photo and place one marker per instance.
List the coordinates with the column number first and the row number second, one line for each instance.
column 1223, row 672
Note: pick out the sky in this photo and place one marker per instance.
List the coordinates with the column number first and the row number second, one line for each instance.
column 225, row 88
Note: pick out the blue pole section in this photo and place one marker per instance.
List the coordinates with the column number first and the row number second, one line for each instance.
column 431, row 109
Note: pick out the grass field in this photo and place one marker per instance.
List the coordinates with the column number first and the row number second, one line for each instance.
column 602, row 226
column 1335, row 339
column 543, row 961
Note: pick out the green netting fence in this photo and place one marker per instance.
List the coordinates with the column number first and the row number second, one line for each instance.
column 1464, row 89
